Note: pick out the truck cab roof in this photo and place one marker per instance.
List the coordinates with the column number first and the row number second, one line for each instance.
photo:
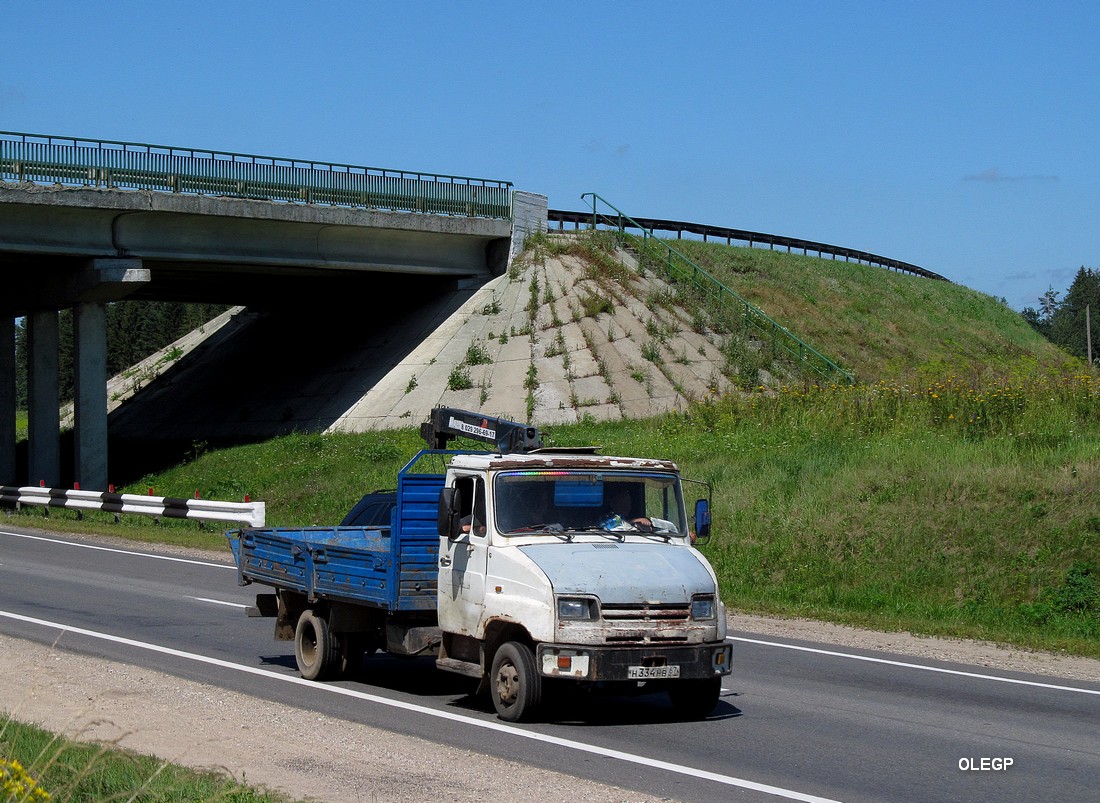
column 557, row 458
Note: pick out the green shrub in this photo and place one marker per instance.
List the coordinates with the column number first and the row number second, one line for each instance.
column 459, row 378
column 476, row 354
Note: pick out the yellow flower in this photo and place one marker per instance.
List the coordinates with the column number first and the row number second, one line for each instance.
column 16, row 784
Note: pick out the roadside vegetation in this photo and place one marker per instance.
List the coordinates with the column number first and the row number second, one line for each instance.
column 948, row 508
column 37, row 766
column 883, row 325
column 955, row 490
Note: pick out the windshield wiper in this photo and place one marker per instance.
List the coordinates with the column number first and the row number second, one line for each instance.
column 552, row 529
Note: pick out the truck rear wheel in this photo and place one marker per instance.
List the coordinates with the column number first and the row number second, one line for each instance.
column 694, row 699
column 515, row 682
column 352, row 649
column 315, row 649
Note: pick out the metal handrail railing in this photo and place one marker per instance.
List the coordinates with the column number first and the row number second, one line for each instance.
column 680, row 267
column 754, row 238
column 43, row 158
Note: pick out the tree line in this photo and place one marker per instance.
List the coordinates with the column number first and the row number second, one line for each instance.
column 135, row 329
column 1062, row 321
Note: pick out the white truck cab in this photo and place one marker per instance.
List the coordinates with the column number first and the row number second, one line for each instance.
column 577, row 566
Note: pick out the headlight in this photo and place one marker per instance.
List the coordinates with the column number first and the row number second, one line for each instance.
column 578, row 609
column 702, row 608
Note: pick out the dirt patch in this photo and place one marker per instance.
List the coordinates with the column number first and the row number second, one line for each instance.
column 264, row 743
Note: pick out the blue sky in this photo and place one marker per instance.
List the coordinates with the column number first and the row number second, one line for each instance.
column 959, row 136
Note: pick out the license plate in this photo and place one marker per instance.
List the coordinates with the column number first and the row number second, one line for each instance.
column 651, row 672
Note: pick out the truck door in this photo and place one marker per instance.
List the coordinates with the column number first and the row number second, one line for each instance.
column 462, row 563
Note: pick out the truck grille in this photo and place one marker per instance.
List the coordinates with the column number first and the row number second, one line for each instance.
column 670, row 613
column 646, row 624
column 639, row 624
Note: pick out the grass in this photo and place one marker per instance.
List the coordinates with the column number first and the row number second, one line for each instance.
column 37, row 766
column 880, row 324
column 952, row 492
column 944, row 508
column 20, row 425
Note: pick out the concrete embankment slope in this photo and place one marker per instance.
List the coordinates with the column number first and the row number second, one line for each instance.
column 550, row 341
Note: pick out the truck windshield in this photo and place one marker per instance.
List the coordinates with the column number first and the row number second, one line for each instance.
column 573, row 500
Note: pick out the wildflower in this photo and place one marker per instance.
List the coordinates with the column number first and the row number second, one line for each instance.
column 16, row 784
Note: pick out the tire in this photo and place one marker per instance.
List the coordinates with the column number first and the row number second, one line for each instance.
column 514, row 682
column 315, row 649
column 352, row 650
column 694, row 699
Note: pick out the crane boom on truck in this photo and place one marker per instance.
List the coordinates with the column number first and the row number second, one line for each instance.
column 447, row 423
column 518, row 567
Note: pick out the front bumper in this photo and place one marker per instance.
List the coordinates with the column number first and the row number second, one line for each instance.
column 601, row 663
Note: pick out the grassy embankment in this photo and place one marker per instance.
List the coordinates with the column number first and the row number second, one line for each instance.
column 37, row 766
column 954, row 491
column 883, row 325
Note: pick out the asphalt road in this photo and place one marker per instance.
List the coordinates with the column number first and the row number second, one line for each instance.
column 797, row 720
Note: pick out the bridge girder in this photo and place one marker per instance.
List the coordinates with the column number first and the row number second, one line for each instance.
column 207, row 248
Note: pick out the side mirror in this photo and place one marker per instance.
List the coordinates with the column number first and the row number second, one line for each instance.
column 702, row 521
column 447, row 515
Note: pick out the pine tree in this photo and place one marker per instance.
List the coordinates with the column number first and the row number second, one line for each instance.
column 21, row 364
column 1067, row 326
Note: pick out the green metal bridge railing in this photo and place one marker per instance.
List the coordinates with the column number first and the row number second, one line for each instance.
column 127, row 165
column 680, row 268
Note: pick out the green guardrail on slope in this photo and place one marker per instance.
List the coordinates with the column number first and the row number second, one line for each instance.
column 681, row 268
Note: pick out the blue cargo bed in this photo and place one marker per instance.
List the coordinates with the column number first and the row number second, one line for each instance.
column 393, row 567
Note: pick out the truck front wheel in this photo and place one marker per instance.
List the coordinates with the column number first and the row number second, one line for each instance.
column 315, row 649
column 694, row 699
column 515, row 682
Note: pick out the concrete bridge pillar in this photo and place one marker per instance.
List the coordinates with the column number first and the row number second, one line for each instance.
column 43, row 400
column 7, row 400
column 90, row 394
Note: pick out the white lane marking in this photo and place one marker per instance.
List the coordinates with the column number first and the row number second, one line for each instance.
column 121, row 551
column 832, row 653
column 220, row 602
column 905, row 665
column 618, row 755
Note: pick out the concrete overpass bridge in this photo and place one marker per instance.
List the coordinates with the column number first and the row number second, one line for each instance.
column 357, row 252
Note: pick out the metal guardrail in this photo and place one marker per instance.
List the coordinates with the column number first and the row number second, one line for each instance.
column 251, row 513
column 679, row 267
column 753, row 238
column 42, row 158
